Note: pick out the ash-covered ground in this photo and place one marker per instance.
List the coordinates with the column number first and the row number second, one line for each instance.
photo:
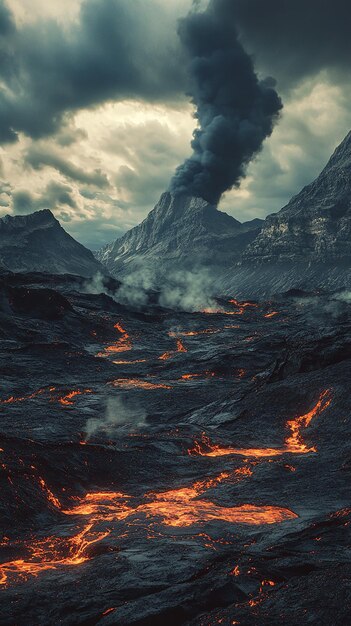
column 160, row 467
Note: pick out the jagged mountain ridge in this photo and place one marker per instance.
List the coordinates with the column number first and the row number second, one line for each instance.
column 180, row 230
column 38, row 243
column 306, row 245
column 316, row 223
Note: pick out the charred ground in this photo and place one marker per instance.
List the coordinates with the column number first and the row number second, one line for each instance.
column 166, row 467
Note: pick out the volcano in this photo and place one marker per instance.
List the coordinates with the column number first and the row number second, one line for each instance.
column 306, row 245
column 38, row 243
column 183, row 232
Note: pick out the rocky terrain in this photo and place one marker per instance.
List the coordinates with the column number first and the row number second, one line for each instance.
column 306, row 245
column 38, row 243
column 182, row 233
column 163, row 467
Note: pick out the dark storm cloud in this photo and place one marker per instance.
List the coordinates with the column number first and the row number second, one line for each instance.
column 115, row 50
column 38, row 158
column 55, row 194
column 296, row 38
column 235, row 110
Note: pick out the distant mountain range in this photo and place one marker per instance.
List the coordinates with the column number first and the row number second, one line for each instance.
column 306, row 245
column 38, row 243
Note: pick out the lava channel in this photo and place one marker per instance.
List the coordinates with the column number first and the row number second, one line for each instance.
column 122, row 345
column 294, row 443
column 178, row 508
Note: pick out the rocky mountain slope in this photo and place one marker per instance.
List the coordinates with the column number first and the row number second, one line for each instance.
column 306, row 245
column 316, row 224
column 180, row 232
column 37, row 242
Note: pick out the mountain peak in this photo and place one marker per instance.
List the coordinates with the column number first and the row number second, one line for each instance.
column 342, row 154
column 182, row 230
column 37, row 242
column 43, row 217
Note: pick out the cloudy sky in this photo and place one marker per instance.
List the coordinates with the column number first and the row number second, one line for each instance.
column 94, row 116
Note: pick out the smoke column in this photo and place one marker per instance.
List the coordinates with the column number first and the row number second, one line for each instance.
column 235, row 110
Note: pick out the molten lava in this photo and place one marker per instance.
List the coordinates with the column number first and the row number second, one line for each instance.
column 179, row 508
column 294, row 443
column 137, row 383
column 169, row 355
column 67, row 399
column 122, row 345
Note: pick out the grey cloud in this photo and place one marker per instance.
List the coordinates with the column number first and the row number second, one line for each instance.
column 38, row 158
column 296, row 38
column 152, row 151
column 55, row 194
column 115, row 50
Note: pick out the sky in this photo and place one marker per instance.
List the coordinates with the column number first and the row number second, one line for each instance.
column 95, row 116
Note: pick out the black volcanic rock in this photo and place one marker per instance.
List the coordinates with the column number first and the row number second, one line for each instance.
column 37, row 242
column 316, row 224
column 180, row 232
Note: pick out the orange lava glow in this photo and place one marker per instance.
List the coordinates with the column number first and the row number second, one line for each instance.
column 194, row 376
column 67, row 399
column 294, row 443
column 178, row 508
column 137, row 383
column 272, row 314
column 122, row 345
column 129, row 362
column 168, row 355
column 195, row 333
column 35, row 394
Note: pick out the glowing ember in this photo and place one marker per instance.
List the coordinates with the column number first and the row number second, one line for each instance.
column 122, row 345
column 293, row 443
column 169, row 355
column 67, row 399
column 35, row 394
column 129, row 362
column 194, row 376
column 195, row 333
column 272, row 314
column 137, row 383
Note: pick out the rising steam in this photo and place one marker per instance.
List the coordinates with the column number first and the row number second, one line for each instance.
column 235, row 110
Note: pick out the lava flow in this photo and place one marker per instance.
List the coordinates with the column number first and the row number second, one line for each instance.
column 137, row 383
column 122, row 345
column 294, row 443
column 169, row 355
column 67, row 399
column 178, row 508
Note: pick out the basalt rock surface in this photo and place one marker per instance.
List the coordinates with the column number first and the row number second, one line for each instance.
column 162, row 467
column 38, row 243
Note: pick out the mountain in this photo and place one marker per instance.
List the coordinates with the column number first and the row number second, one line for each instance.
column 306, row 245
column 38, row 243
column 180, row 232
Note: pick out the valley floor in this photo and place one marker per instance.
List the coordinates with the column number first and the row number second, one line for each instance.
column 161, row 467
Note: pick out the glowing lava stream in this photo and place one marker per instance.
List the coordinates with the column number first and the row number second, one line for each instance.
column 241, row 308
column 294, row 443
column 178, row 508
column 169, row 355
column 122, row 345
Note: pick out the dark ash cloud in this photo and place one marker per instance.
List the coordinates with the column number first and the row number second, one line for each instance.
column 235, row 110
column 38, row 158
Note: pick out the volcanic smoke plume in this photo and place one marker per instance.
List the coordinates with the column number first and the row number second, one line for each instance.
column 235, row 110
